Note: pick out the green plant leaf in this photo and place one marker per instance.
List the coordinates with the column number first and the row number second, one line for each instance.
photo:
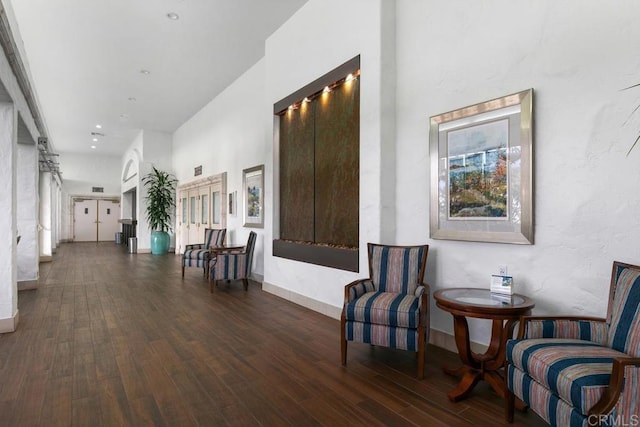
column 160, row 199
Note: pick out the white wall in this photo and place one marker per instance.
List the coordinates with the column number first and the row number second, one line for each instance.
column 228, row 135
column 421, row 58
column 319, row 37
column 576, row 55
column 81, row 172
column 148, row 149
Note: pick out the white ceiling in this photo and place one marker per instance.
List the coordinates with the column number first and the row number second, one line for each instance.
column 85, row 58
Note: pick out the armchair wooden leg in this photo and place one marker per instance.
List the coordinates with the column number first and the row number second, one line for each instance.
column 421, row 345
column 182, row 270
column 421, row 363
column 245, row 284
column 509, row 405
column 343, row 342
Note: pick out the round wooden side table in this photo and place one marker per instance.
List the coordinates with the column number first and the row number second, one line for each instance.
column 503, row 311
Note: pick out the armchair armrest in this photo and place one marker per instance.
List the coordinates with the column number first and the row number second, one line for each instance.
column 623, row 391
column 195, row 246
column 357, row 288
column 592, row 329
column 422, row 292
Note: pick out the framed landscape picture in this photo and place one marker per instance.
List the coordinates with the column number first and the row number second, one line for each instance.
column 481, row 171
column 253, row 195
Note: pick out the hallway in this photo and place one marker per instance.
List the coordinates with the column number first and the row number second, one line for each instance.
column 111, row 338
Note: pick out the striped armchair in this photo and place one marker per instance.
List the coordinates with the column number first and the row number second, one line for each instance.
column 390, row 307
column 233, row 265
column 582, row 372
column 198, row 254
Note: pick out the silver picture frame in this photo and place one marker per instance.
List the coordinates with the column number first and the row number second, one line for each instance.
column 253, row 196
column 482, row 171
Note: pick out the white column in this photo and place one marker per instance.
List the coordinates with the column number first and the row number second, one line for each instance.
column 27, row 215
column 58, row 213
column 8, row 234
column 45, row 216
column 54, row 215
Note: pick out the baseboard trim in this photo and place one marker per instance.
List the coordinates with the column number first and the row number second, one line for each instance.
column 310, row 303
column 46, row 258
column 448, row 342
column 436, row 337
column 27, row 284
column 10, row 324
column 257, row 277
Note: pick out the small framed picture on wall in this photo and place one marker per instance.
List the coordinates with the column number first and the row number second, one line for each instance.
column 233, row 203
column 253, row 196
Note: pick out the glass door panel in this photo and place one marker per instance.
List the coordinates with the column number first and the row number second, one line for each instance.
column 216, row 208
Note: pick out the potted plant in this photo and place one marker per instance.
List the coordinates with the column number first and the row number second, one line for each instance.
column 161, row 189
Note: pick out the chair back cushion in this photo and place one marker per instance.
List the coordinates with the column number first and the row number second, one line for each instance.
column 251, row 243
column 397, row 269
column 214, row 237
column 624, row 309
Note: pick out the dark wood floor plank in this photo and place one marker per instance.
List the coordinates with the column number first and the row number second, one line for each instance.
column 111, row 338
column 58, row 403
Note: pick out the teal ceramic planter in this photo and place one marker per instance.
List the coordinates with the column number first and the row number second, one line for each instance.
column 160, row 241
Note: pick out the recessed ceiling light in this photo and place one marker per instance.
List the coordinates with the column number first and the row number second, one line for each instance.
column 95, row 139
column 173, row 16
column 99, row 126
column 93, row 146
column 145, row 72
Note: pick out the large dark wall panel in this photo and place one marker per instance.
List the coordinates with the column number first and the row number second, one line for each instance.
column 337, row 170
column 296, row 174
column 319, row 170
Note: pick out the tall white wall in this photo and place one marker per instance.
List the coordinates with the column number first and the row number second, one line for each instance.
column 318, row 38
column 148, row 149
column 576, row 55
column 228, row 135
column 81, row 172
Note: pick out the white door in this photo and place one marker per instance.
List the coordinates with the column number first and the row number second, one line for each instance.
column 108, row 216
column 85, row 221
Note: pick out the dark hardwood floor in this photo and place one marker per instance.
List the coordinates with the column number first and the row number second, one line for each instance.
column 115, row 339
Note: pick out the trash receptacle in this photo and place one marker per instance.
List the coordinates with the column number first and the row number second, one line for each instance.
column 133, row 245
column 119, row 237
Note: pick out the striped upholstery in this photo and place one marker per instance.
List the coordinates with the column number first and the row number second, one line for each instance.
column 390, row 307
column 576, row 371
column 360, row 289
column 629, row 403
column 387, row 336
column 234, row 265
column 624, row 319
column 384, row 308
column 197, row 255
column 396, row 269
column 540, row 399
column 589, row 330
column 562, row 368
